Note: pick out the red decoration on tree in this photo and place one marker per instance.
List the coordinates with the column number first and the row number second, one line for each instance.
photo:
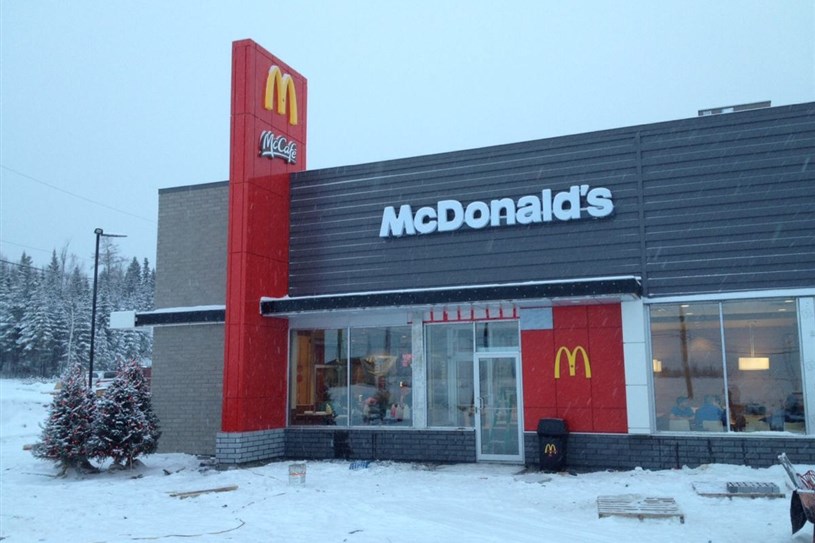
column 125, row 425
column 68, row 429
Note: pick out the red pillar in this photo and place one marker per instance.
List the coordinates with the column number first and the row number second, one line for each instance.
column 254, row 393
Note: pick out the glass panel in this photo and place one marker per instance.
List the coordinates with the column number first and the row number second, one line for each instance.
column 763, row 366
column 499, row 411
column 319, row 381
column 450, row 375
column 381, row 375
column 687, row 363
column 497, row 336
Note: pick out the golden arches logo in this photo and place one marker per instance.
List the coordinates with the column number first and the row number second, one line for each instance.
column 550, row 449
column 571, row 358
column 281, row 86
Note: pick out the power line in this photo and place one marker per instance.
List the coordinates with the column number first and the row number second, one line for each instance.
column 20, row 265
column 7, row 242
column 49, row 185
column 24, row 246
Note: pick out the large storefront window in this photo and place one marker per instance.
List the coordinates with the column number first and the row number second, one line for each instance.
column 320, row 377
column 360, row 376
column 450, row 392
column 730, row 366
column 450, row 359
column 381, row 375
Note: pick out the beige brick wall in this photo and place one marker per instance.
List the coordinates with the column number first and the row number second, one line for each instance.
column 188, row 360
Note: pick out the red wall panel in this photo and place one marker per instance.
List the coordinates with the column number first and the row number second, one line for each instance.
column 595, row 404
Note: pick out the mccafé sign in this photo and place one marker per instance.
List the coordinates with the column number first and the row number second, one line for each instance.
column 578, row 202
column 281, row 97
column 277, row 146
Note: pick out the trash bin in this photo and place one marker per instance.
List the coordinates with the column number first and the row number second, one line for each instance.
column 552, row 435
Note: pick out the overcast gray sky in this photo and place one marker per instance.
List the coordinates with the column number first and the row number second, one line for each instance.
column 103, row 103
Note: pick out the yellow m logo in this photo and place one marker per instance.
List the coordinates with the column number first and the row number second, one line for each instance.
column 571, row 357
column 281, row 86
column 550, row 449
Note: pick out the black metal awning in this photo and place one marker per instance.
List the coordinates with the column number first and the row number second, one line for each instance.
column 180, row 316
column 511, row 292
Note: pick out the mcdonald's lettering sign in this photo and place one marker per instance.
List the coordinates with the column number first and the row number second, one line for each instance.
column 280, row 91
column 550, row 449
column 571, row 358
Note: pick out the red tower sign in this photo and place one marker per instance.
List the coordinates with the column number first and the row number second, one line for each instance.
column 268, row 142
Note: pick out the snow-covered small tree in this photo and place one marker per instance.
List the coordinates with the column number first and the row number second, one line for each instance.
column 125, row 426
column 70, row 420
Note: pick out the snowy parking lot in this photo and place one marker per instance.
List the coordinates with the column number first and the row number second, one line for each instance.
column 383, row 502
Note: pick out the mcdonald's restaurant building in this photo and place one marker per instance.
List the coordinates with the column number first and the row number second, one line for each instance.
column 652, row 286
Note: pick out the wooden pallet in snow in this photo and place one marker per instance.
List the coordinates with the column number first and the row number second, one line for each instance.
column 636, row 506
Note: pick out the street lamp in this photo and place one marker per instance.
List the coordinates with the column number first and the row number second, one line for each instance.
column 99, row 233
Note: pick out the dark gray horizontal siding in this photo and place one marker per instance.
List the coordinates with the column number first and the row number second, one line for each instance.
column 336, row 216
column 702, row 205
column 728, row 203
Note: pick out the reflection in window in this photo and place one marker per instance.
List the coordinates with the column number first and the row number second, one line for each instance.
column 497, row 336
column 450, row 375
column 377, row 389
column 381, row 372
column 450, row 349
column 756, row 342
column 763, row 366
column 320, row 377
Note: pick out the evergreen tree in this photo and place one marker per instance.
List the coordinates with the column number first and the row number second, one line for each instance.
column 125, row 426
column 131, row 286
column 45, row 314
column 70, row 421
column 55, row 304
column 8, row 337
column 36, row 333
column 22, row 279
column 78, row 316
column 147, row 288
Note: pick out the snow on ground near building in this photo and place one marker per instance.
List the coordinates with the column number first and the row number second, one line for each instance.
column 386, row 502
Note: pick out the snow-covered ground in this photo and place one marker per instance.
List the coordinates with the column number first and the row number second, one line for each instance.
column 385, row 502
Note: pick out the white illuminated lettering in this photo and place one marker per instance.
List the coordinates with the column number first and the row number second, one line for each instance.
column 502, row 209
column 477, row 215
column 546, row 202
column 450, row 216
column 578, row 202
column 599, row 202
column 397, row 225
column 570, row 197
column 425, row 220
column 529, row 210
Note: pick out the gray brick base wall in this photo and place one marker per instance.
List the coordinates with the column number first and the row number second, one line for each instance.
column 445, row 446
column 589, row 452
column 244, row 447
column 623, row 451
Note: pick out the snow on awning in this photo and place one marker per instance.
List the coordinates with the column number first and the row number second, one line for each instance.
column 509, row 292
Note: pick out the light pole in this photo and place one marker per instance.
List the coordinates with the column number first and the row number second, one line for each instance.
column 99, row 233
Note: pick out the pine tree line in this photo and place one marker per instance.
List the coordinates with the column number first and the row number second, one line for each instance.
column 45, row 314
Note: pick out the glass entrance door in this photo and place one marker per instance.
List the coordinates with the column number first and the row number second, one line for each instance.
column 498, row 427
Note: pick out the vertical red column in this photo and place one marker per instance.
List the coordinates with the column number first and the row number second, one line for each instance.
column 268, row 142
